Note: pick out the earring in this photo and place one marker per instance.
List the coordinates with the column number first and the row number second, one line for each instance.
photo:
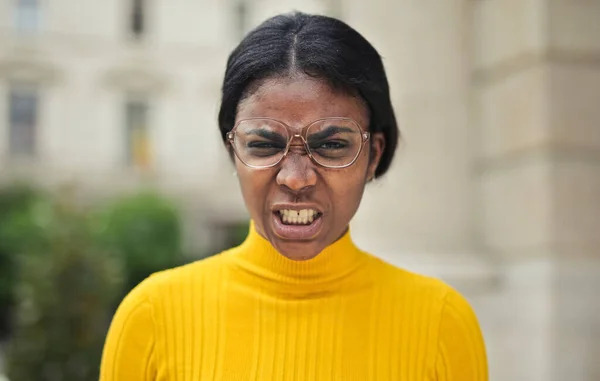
column 234, row 173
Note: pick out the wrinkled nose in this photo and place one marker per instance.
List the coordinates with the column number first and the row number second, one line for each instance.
column 297, row 172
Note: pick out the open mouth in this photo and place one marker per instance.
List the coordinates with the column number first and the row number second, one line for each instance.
column 297, row 224
column 298, row 217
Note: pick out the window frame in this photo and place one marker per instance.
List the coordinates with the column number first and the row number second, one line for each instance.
column 28, row 96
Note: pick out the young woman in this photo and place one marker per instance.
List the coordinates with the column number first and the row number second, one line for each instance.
column 307, row 117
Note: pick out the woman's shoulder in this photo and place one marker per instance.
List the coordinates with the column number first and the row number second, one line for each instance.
column 164, row 283
column 428, row 294
column 401, row 280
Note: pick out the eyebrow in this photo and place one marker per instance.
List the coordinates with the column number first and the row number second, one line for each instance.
column 263, row 133
column 329, row 131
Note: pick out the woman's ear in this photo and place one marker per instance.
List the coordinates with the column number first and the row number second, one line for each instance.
column 377, row 146
column 229, row 148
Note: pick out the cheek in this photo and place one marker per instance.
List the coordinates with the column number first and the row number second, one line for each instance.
column 254, row 185
column 347, row 187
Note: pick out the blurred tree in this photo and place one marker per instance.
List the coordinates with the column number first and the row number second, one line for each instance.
column 237, row 234
column 16, row 201
column 65, row 290
column 144, row 230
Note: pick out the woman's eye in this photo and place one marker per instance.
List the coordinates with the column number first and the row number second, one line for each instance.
column 333, row 144
column 263, row 145
column 261, row 148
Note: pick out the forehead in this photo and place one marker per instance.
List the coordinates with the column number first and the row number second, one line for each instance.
column 299, row 101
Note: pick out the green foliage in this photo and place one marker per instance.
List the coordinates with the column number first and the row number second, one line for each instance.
column 144, row 230
column 238, row 234
column 65, row 290
column 64, row 270
column 16, row 202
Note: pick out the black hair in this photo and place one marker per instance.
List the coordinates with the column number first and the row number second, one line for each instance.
column 318, row 46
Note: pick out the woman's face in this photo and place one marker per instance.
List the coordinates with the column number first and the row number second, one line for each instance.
column 297, row 183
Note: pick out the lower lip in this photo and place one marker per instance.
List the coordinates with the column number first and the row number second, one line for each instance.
column 296, row 232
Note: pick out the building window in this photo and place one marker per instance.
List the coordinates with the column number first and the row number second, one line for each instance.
column 138, row 143
column 23, row 105
column 27, row 15
column 138, row 18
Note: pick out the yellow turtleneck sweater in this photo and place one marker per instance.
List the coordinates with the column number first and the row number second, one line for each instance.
column 251, row 314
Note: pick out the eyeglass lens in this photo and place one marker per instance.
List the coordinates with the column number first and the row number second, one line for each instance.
column 331, row 142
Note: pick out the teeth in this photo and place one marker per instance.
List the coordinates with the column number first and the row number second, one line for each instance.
column 297, row 217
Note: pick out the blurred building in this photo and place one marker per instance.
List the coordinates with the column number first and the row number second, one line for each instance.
column 496, row 187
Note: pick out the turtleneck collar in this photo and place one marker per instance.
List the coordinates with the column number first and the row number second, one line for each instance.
column 257, row 256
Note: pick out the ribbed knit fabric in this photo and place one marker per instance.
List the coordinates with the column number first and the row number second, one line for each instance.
column 251, row 314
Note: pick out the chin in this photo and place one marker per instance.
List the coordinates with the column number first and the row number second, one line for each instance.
column 296, row 241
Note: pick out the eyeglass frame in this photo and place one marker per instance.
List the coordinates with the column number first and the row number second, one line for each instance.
column 365, row 136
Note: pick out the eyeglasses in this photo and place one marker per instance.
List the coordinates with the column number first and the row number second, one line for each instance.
column 329, row 142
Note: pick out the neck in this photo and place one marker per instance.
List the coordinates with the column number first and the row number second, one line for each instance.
column 331, row 266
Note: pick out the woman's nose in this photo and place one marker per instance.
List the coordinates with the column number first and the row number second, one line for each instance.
column 297, row 172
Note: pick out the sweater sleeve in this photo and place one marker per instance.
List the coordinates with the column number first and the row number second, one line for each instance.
column 461, row 350
column 128, row 353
